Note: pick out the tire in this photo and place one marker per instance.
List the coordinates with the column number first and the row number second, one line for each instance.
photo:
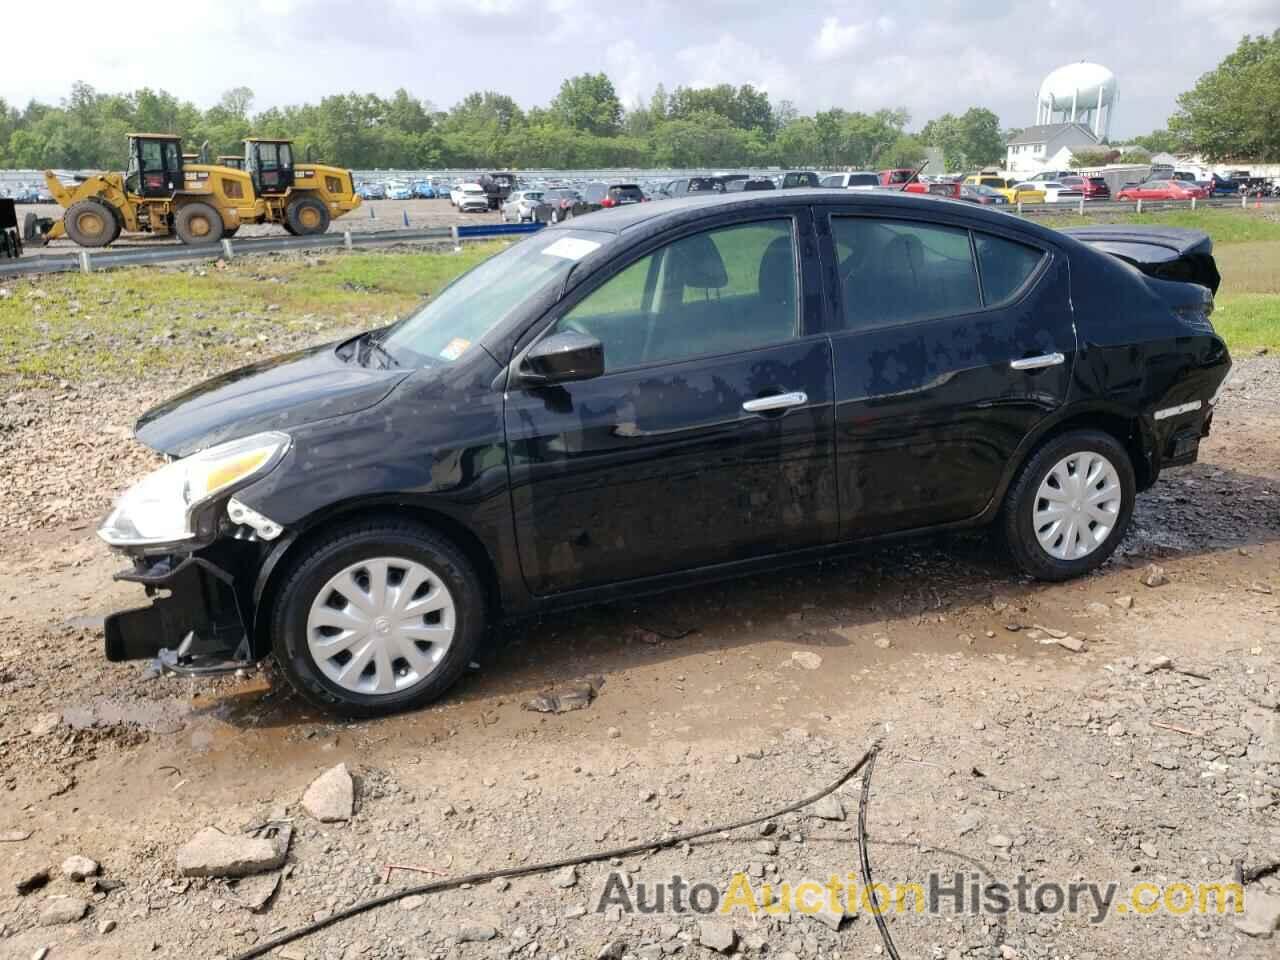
column 358, row 547
column 198, row 223
column 1028, row 522
column 307, row 216
column 30, row 227
column 91, row 223
column 287, row 229
column 555, row 216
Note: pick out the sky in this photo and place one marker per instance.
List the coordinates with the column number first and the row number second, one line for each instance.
column 930, row 56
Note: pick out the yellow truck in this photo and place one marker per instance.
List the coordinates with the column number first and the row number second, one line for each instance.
column 302, row 197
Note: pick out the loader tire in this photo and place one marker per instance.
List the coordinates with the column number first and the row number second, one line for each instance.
column 91, row 223
column 198, row 223
column 306, row 216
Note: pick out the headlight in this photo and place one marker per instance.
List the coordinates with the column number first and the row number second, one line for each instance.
column 159, row 508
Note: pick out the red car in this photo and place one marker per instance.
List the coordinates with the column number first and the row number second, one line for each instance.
column 947, row 188
column 1093, row 188
column 896, row 178
column 1162, row 190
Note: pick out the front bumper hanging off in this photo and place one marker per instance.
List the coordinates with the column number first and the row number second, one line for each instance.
column 199, row 626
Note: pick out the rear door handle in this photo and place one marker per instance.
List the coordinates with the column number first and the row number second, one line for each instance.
column 1037, row 363
column 779, row 401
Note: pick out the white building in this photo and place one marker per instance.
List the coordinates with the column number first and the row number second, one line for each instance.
column 1046, row 146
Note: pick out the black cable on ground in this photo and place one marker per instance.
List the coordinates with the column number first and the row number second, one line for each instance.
column 868, row 889
column 436, row 886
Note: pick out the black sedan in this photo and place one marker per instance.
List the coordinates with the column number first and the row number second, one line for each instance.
column 657, row 395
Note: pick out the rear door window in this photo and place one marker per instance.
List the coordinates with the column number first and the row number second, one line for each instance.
column 896, row 271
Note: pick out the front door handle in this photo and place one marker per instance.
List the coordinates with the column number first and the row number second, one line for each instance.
column 779, row 401
column 1038, row 363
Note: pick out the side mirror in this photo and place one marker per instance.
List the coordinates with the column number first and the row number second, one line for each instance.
column 562, row 358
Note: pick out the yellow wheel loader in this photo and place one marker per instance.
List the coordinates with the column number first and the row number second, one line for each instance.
column 232, row 160
column 302, row 197
column 159, row 194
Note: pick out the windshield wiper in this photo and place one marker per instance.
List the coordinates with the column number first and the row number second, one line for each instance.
column 373, row 345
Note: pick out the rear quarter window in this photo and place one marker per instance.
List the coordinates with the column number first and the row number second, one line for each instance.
column 1005, row 265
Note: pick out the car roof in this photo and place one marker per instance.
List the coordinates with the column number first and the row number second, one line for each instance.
column 621, row 219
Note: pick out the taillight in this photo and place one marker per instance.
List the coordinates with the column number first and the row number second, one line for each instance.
column 607, row 202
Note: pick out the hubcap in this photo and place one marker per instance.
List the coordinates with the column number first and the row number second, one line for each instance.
column 309, row 218
column 91, row 224
column 381, row 625
column 200, row 226
column 1077, row 505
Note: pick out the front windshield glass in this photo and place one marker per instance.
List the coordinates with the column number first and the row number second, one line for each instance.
column 450, row 323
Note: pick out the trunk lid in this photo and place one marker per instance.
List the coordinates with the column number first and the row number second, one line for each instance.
column 1166, row 253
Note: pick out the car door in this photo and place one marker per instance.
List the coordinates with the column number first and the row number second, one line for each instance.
column 708, row 438
column 950, row 346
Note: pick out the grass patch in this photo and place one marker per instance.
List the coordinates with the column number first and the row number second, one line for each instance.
column 1225, row 226
column 137, row 321
column 1248, row 321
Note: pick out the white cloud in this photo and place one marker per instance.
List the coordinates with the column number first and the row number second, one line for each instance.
column 730, row 60
column 835, row 39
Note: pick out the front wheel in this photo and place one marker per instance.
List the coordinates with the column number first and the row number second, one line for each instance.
column 307, row 216
column 380, row 616
column 1070, row 505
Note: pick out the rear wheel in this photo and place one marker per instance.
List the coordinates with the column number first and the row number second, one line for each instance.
column 198, row 223
column 380, row 616
column 306, row 216
column 1070, row 505
column 91, row 223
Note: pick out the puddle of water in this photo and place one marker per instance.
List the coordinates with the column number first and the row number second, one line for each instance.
column 157, row 716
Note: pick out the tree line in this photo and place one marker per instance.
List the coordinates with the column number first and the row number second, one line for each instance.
column 1232, row 112
column 584, row 126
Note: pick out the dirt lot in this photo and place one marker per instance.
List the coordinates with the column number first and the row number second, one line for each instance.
column 372, row 215
column 1006, row 752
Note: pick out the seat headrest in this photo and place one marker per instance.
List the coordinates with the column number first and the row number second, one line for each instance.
column 904, row 252
column 777, row 282
column 695, row 262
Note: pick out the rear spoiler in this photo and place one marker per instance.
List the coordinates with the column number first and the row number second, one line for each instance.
column 1167, row 253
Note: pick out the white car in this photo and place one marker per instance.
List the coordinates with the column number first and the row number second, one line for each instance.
column 472, row 198
column 856, row 180
column 1054, row 192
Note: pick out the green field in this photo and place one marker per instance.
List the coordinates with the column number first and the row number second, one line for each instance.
column 144, row 320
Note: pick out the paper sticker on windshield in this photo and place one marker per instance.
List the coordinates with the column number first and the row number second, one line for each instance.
column 455, row 348
column 571, row 248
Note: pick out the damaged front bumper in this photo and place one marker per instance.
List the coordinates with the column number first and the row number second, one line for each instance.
column 200, row 618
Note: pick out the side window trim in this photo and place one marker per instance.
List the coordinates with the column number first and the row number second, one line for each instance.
column 543, row 326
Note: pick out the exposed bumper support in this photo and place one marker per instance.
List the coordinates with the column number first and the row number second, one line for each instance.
column 201, row 617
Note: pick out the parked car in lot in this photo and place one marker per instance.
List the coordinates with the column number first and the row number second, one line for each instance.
column 644, row 398
column 564, row 203
column 472, row 198
column 497, row 186
column 399, row 191
column 897, row 177
column 372, row 190
column 985, row 196
column 748, row 184
column 1162, row 190
column 1055, row 192
column 856, row 180
column 525, row 205
column 1093, row 188
column 604, row 196
column 1015, row 191
column 423, row 190
column 799, row 179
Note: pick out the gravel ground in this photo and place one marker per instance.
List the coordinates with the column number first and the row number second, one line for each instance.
column 1029, row 729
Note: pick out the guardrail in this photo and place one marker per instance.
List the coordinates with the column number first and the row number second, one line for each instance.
column 87, row 261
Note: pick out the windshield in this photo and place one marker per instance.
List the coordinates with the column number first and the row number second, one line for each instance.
column 444, row 328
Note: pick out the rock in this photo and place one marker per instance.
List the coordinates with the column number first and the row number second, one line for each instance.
column 1157, row 663
column 78, row 867
column 254, row 893
column 968, row 821
column 105, row 927
column 44, row 724
column 40, row 954
column 613, row 733
column 212, row 853
column 331, row 798
column 14, row 836
column 883, row 643
column 831, row 918
column 1154, row 576
column 476, row 933
column 576, row 911
column 768, row 828
column 999, row 841
column 565, row 878
column 63, row 910
column 1261, row 916
column 1098, row 609
column 806, row 659
column 828, row 808
column 767, row 847
column 1164, row 761
column 613, row 950
column 1116, row 729
column 412, row 903
column 1259, row 587
column 717, row 936
column 1074, row 644
column 31, row 880
column 1125, row 602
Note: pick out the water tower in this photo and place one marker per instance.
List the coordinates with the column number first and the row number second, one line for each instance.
column 1079, row 93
